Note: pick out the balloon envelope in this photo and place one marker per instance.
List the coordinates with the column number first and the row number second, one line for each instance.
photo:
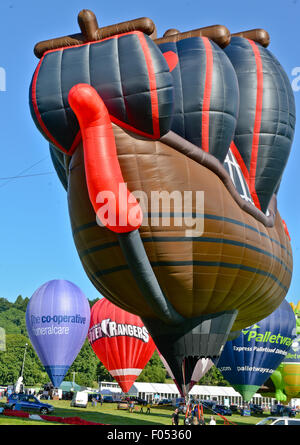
column 266, row 122
column 120, row 341
column 57, row 320
column 203, row 365
column 190, row 291
column 286, row 378
column 247, row 361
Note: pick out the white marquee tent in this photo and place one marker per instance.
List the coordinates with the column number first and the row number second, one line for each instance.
column 221, row 394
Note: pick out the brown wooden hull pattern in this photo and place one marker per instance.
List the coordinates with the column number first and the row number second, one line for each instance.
column 237, row 263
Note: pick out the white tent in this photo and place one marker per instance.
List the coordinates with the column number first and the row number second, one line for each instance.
column 150, row 391
column 221, row 394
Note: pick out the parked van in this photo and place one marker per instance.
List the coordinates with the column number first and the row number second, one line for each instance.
column 80, row 399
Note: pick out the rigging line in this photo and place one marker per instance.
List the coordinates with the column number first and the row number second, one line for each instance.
column 24, row 171
column 27, row 176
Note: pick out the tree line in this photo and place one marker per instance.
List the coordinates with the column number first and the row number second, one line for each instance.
column 87, row 367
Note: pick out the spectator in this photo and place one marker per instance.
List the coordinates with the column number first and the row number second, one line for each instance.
column 175, row 417
column 195, row 421
column 212, row 421
column 131, row 406
column 195, row 410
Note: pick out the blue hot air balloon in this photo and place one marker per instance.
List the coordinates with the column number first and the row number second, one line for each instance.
column 247, row 361
column 57, row 319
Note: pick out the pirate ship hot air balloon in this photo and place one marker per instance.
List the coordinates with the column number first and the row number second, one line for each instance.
column 199, row 125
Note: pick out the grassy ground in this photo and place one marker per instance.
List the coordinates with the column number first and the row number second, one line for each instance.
column 109, row 414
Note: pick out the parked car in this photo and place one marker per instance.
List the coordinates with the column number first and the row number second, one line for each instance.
column 26, row 402
column 279, row 421
column 256, row 409
column 208, row 406
column 141, row 401
column 282, row 410
column 178, row 401
column 222, row 409
column 108, row 399
column 123, row 404
column 165, row 402
column 234, row 408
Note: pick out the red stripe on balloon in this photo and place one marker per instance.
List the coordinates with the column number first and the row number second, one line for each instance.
column 257, row 122
column 240, row 161
column 207, row 94
column 245, row 171
column 152, row 84
column 153, row 95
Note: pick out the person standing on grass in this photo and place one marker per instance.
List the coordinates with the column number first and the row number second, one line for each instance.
column 195, row 421
column 212, row 421
column 131, row 405
column 175, row 417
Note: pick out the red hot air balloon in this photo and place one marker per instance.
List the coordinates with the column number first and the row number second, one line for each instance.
column 121, row 342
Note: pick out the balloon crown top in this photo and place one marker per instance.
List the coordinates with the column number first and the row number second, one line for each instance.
column 90, row 32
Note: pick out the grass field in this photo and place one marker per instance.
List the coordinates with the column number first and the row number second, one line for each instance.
column 109, row 414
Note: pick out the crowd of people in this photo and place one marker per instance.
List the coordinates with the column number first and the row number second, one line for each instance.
column 192, row 417
column 96, row 399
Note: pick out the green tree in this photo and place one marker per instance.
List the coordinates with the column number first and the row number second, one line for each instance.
column 92, row 302
column 13, row 321
column 213, row 378
column 85, row 367
column 102, row 374
column 5, row 304
column 21, row 303
column 11, row 362
column 154, row 371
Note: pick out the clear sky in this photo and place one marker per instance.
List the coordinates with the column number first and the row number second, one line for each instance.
column 36, row 243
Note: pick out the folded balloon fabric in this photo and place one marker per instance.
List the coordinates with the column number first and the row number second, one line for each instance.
column 67, row 420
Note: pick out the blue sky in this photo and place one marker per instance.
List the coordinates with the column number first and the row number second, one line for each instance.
column 36, row 243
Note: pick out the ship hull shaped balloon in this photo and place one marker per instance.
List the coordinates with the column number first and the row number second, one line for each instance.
column 247, row 361
column 236, row 261
column 130, row 115
column 57, row 320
